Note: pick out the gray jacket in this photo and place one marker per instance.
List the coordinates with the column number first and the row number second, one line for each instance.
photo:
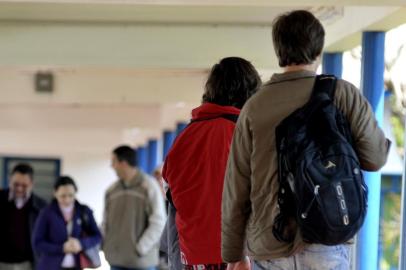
column 170, row 240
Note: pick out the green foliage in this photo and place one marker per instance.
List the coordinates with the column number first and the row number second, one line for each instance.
column 390, row 228
column 398, row 129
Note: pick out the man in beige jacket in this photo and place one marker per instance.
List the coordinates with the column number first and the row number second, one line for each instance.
column 134, row 216
column 251, row 186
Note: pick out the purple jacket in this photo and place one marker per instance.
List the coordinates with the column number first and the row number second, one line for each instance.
column 50, row 234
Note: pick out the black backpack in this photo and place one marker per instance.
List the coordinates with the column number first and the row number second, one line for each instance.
column 321, row 189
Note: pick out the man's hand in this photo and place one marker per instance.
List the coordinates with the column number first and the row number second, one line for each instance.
column 241, row 265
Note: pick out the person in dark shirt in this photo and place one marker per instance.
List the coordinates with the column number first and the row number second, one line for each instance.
column 19, row 208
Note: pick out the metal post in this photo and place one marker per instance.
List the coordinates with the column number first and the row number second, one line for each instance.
column 142, row 158
column 373, row 44
column 179, row 127
column 152, row 155
column 333, row 64
column 169, row 137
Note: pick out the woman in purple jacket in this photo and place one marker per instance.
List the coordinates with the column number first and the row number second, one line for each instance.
column 60, row 232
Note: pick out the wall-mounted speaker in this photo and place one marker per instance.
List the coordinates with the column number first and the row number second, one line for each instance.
column 44, row 82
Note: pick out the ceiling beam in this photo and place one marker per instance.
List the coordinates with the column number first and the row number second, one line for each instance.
column 135, row 46
column 390, row 21
column 263, row 3
column 139, row 14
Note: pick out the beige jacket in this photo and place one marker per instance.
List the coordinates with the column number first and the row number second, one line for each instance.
column 134, row 219
column 249, row 203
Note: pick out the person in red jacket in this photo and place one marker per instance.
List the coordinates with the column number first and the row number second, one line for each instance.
column 195, row 166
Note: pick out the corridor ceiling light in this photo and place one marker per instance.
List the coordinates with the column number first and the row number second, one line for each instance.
column 180, row 104
column 328, row 15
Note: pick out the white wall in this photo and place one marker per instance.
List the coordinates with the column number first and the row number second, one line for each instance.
column 91, row 111
column 88, row 165
column 94, row 175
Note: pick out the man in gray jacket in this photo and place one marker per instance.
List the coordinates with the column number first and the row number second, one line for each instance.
column 134, row 216
column 251, row 186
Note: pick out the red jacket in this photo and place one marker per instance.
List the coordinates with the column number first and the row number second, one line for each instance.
column 194, row 169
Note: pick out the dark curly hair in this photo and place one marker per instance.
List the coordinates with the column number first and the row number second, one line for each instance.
column 231, row 82
column 298, row 38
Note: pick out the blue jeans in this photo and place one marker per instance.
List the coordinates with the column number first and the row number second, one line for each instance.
column 313, row 257
column 125, row 268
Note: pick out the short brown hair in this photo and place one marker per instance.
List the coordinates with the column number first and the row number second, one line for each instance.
column 24, row 168
column 298, row 38
column 127, row 154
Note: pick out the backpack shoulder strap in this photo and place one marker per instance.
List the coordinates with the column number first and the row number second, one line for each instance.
column 323, row 91
column 231, row 117
column 324, row 84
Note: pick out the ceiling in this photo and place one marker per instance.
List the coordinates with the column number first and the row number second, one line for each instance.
column 146, row 60
column 171, row 33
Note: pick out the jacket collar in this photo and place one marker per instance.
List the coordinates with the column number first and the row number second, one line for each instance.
column 11, row 196
column 135, row 181
column 55, row 207
column 289, row 76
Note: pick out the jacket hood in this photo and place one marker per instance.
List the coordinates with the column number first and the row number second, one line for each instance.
column 211, row 110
